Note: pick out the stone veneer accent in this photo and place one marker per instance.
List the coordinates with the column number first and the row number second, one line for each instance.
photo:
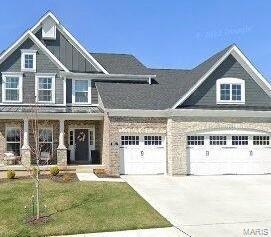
column 179, row 128
column 62, row 157
column 114, row 127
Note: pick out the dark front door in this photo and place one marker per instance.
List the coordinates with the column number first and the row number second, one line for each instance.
column 81, row 145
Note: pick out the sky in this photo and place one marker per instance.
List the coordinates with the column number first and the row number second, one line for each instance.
column 162, row 34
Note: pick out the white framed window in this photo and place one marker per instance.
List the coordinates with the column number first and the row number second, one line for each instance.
column 239, row 140
column 13, row 140
column 152, row 140
column 81, row 91
column 71, row 138
column 28, row 60
column 46, row 140
column 218, row 140
column 129, row 140
column 261, row 140
column 195, row 140
column 230, row 91
column 45, row 87
column 12, row 87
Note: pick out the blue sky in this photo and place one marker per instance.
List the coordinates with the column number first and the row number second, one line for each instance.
column 167, row 34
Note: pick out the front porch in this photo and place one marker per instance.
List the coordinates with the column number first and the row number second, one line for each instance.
column 66, row 143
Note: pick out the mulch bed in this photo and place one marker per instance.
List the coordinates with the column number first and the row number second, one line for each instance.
column 42, row 220
column 61, row 177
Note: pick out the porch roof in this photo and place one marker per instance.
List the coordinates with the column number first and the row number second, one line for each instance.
column 51, row 112
column 50, row 109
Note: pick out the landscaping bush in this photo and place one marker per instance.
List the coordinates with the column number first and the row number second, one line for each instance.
column 11, row 174
column 54, row 170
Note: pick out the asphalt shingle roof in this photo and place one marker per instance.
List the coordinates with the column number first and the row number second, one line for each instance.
column 170, row 86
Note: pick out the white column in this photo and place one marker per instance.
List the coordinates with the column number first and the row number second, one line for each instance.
column 26, row 139
column 61, row 144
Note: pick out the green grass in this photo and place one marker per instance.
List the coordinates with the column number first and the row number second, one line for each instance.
column 76, row 207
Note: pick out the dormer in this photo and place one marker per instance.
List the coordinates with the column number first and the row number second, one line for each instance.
column 48, row 29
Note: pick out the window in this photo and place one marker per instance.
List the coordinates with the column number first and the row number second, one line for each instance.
column 91, row 138
column 153, row 140
column 81, row 91
column 46, row 140
column 195, row 140
column 218, row 140
column 12, row 87
column 239, row 140
column 230, row 91
column 13, row 141
column 71, row 138
column 45, row 88
column 261, row 140
column 28, row 60
column 129, row 140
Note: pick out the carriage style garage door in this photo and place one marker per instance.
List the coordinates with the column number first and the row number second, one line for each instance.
column 142, row 154
column 229, row 152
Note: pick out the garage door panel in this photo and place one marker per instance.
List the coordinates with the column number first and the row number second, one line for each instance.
column 229, row 154
column 147, row 157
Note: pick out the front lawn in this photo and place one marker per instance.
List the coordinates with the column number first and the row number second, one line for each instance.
column 76, row 207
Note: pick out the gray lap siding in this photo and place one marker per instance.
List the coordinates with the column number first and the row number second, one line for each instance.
column 205, row 95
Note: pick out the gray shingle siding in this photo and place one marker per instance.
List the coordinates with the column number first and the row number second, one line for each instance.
column 67, row 54
column 43, row 65
column 205, row 95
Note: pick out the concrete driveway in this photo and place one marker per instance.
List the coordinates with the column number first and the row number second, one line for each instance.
column 204, row 206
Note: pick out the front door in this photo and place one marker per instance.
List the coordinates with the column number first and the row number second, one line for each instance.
column 81, row 145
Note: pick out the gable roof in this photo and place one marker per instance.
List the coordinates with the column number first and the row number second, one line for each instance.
column 70, row 38
column 30, row 35
column 172, row 84
column 206, row 68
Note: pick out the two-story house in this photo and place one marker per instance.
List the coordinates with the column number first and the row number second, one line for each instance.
column 111, row 110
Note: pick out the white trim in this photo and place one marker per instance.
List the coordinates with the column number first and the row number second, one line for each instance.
column 72, row 128
column 45, row 75
column 102, row 76
column 241, row 58
column 7, row 127
column 230, row 81
column 30, row 35
column 41, row 127
column 71, row 39
column 20, row 86
column 73, row 92
column 28, row 52
column 64, row 91
column 47, row 52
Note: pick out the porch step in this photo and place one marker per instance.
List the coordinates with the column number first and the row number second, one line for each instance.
column 82, row 169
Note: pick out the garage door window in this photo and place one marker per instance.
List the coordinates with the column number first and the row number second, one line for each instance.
column 195, row 140
column 129, row 140
column 218, row 140
column 260, row 140
column 239, row 140
column 152, row 140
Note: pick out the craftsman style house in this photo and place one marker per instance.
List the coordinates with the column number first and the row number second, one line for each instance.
column 111, row 111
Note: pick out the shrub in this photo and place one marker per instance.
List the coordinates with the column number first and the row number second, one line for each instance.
column 54, row 170
column 11, row 174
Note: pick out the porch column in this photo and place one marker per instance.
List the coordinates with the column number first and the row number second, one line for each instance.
column 25, row 150
column 61, row 149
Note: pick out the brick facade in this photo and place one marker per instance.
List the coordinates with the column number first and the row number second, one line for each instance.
column 179, row 128
column 114, row 127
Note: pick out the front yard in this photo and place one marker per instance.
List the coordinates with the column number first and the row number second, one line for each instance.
column 75, row 207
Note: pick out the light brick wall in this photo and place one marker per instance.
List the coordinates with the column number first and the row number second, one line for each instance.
column 178, row 129
column 114, row 127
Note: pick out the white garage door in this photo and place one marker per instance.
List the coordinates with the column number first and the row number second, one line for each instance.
column 229, row 152
column 142, row 154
